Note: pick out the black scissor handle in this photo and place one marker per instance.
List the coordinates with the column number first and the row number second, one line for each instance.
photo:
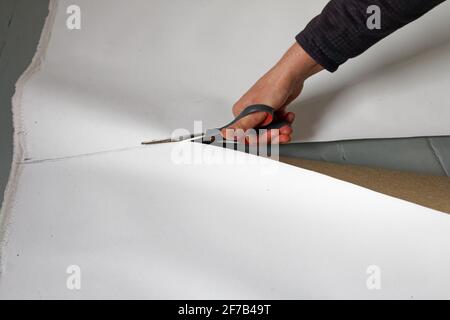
column 268, row 123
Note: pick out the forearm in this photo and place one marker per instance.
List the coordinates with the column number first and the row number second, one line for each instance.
column 340, row 32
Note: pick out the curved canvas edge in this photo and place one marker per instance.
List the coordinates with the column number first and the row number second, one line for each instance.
column 19, row 136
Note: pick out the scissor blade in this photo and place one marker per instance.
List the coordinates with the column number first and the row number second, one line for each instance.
column 146, row 143
column 179, row 139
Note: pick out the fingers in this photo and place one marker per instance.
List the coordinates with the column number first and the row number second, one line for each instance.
column 248, row 122
column 282, row 135
column 289, row 117
column 274, row 136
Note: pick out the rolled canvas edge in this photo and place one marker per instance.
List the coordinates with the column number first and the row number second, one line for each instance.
column 19, row 136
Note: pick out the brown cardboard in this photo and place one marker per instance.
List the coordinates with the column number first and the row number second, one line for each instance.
column 426, row 190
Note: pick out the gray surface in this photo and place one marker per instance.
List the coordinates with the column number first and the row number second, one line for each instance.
column 441, row 149
column 21, row 22
column 424, row 155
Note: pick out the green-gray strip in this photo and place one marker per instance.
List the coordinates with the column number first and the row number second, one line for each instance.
column 430, row 155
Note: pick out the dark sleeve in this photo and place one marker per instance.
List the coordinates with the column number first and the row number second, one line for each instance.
column 340, row 32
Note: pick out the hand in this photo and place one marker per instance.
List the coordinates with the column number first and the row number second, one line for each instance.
column 277, row 88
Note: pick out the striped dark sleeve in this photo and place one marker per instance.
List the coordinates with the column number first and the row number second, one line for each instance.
column 340, row 32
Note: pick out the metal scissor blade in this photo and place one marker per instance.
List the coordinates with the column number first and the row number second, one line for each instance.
column 178, row 139
column 147, row 143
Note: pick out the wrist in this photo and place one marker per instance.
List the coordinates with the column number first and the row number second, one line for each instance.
column 298, row 64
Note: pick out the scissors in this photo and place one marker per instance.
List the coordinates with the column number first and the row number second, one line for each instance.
column 212, row 135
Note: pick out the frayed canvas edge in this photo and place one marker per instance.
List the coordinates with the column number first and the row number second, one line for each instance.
column 19, row 136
